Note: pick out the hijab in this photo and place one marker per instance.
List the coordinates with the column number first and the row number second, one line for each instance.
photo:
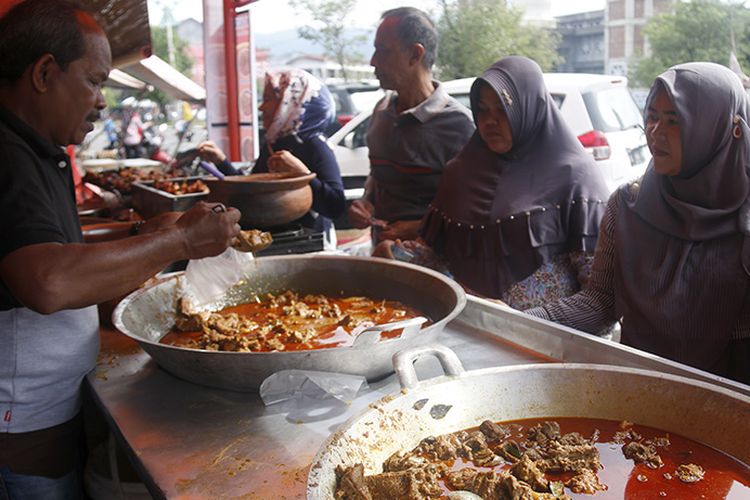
column 681, row 241
column 497, row 218
column 306, row 106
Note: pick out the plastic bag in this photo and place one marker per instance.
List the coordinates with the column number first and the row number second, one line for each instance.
column 310, row 385
column 208, row 279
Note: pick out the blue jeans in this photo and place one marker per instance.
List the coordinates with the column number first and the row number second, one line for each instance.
column 21, row 487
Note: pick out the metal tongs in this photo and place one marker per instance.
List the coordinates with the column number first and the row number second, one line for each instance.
column 369, row 335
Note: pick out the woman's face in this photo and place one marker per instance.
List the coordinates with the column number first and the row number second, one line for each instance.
column 663, row 134
column 270, row 104
column 492, row 122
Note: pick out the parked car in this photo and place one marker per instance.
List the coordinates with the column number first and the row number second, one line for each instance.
column 351, row 99
column 598, row 108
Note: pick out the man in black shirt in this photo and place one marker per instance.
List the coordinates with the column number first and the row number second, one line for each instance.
column 55, row 58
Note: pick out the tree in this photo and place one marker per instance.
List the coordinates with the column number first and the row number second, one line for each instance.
column 700, row 30
column 183, row 61
column 476, row 33
column 330, row 20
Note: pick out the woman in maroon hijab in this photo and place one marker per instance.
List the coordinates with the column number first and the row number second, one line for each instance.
column 517, row 212
column 674, row 253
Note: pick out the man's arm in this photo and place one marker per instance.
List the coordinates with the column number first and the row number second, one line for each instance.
column 50, row 277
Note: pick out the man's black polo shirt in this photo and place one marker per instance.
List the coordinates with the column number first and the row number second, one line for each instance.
column 37, row 198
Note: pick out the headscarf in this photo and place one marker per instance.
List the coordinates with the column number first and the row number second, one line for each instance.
column 498, row 217
column 679, row 276
column 306, row 106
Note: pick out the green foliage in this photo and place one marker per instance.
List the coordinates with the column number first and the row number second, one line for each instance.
column 476, row 33
column 700, row 30
column 183, row 62
column 329, row 18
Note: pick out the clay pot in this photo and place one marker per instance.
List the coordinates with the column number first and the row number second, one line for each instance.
column 265, row 200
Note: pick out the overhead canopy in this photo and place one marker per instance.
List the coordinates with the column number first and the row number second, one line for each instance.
column 127, row 27
column 121, row 80
column 161, row 75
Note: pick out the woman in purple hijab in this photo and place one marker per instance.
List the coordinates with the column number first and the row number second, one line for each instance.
column 674, row 255
column 517, row 212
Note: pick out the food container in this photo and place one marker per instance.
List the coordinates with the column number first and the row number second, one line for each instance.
column 149, row 201
column 148, row 314
column 697, row 410
column 266, row 199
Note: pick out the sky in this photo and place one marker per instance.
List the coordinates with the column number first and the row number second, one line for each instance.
column 276, row 15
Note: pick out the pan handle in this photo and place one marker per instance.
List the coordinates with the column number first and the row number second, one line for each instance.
column 403, row 363
column 371, row 334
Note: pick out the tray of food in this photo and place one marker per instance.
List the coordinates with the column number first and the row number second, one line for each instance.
column 152, row 197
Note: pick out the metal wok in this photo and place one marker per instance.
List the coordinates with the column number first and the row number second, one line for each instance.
column 148, row 314
column 710, row 414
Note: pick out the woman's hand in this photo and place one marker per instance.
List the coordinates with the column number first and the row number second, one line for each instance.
column 286, row 162
column 209, row 151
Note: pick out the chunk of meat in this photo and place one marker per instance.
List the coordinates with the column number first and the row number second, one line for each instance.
column 544, row 432
column 494, row 431
column 586, row 482
column 351, row 483
column 526, row 470
column 252, row 240
column 690, row 473
column 642, row 453
column 569, row 458
column 412, row 484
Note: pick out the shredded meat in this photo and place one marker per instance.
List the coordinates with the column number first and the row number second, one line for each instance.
column 526, row 470
column 643, row 453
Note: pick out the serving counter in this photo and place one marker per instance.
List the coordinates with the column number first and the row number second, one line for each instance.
column 190, row 441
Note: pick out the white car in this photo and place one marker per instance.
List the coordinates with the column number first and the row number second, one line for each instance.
column 598, row 108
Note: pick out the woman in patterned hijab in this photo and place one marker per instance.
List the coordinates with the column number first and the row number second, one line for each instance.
column 297, row 108
column 673, row 259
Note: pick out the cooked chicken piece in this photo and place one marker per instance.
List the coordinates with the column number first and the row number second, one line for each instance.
column 252, row 240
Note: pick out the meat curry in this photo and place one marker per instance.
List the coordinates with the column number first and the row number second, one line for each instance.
column 286, row 321
column 552, row 459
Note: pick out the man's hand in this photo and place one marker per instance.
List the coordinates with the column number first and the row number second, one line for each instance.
column 360, row 213
column 209, row 151
column 285, row 162
column 400, row 230
column 208, row 229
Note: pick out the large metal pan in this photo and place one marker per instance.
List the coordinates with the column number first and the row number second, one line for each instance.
column 147, row 315
column 697, row 410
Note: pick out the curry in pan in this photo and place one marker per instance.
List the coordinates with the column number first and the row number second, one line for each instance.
column 286, row 321
column 547, row 459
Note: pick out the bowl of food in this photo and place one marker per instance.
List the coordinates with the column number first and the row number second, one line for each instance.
column 549, row 430
column 291, row 312
column 265, row 199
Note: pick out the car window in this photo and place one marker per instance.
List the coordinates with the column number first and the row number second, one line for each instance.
column 558, row 98
column 612, row 110
column 360, row 134
column 463, row 99
column 365, row 101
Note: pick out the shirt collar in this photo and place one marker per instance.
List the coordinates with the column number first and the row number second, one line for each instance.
column 40, row 145
column 428, row 108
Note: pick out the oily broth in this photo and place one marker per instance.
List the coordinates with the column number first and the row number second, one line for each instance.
column 725, row 478
column 327, row 330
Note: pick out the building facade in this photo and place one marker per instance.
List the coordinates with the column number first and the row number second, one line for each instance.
column 623, row 34
column 581, row 42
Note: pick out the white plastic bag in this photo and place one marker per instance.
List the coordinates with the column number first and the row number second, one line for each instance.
column 207, row 279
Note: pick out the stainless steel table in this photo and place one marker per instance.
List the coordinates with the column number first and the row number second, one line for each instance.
column 189, row 441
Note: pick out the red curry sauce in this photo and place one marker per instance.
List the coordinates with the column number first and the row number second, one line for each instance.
column 327, row 322
column 725, row 477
